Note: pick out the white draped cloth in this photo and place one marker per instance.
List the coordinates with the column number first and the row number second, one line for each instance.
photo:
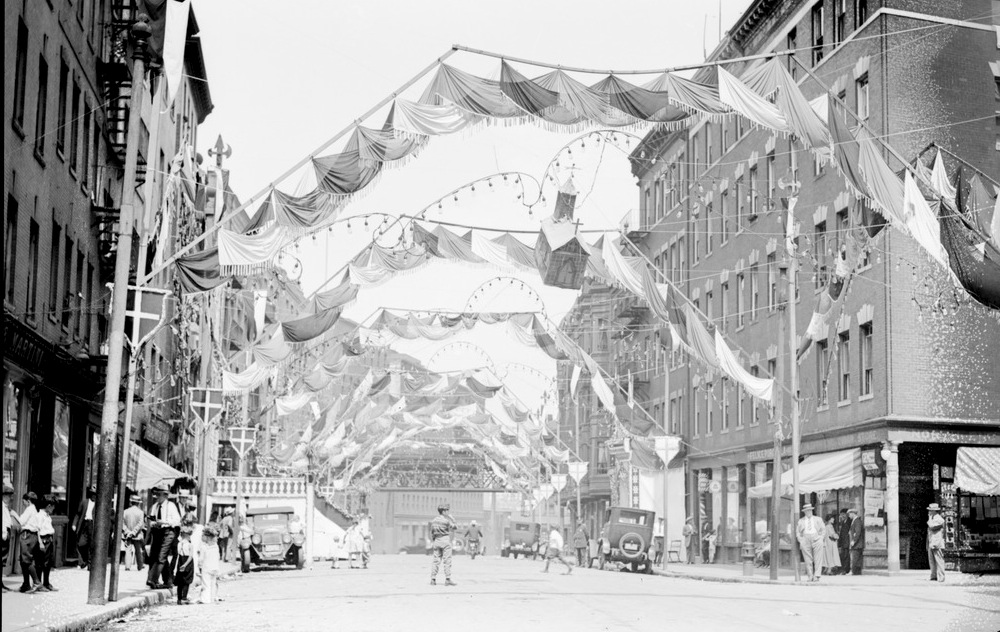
column 251, row 378
column 761, row 388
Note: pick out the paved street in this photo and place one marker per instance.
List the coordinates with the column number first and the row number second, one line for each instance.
column 504, row 594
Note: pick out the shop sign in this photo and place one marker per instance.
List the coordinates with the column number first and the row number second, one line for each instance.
column 870, row 462
column 715, row 487
column 874, row 501
column 156, row 431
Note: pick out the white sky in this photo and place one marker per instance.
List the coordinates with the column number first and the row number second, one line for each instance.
column 286, row 76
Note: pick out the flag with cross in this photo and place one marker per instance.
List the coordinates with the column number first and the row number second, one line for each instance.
column 145, row 313
column 242, row 439
column 206, row 403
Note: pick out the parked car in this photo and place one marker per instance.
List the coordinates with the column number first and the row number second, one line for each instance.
column 422, row 547
column 524, row 539
column 629, row 539
column 273, row 538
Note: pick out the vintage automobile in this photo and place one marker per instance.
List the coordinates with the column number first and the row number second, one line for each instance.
column 524, row 539
column 629, row 539
column 273, row 538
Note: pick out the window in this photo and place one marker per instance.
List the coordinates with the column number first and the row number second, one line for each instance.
column 725, row 304
column 79, row 298
column 772, row 372
column 839, row 21
column 724, row 217
column 861, row 94
column 79, row 10
column 675, row 415
column 844, row 362
column 741, row 411
column 658, row 199
column 32, row 269
column 647, row 208
column 817, row 33
column 819, row 254
column 61, row 107
column 791, row 45
column 20, row 77
column 865, row 332
column 725, row 136
column 754, row 290
column 41, row 105
column 753, row 193
column 819, row 164
column 708, row 144
column 67, row 303
column 10, row 249
column 724, row 386
column 860, row 13
column 709, row 234
column 695, row 234
column 85, row 145
column 696, row 166
column 74, row 126
column 769, row 165
column 822, row 360
column 741, row 291
column 793, row 161
column 740, row 206
column 697, row 415
column 709, row 409
column 54, row 270
column 709, row 310
column 755, row 406
column 843, row 230
column 96, row 159
column 772, row 282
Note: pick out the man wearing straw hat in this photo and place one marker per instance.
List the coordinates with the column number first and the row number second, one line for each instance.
column 935, row 542
column 811, row 533
column 134, row 533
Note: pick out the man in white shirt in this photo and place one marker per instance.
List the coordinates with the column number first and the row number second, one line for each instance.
column 29, row 542
column 935, row 542
column 811, row 534
column 45, row 552
column 555, row 551
column 8, row 525
column 83, row 526
column 133, row 533
column 165, row 522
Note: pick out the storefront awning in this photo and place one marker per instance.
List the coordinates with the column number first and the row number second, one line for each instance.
column 819, row 472
column 977, row 470
column 145, row 471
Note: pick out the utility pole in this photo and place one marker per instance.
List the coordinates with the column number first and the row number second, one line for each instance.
column 793, row 378
column 576, row 415
column 776, row 457
column 116, row 336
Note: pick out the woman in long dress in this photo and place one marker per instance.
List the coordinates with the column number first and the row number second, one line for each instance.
column 831, row 558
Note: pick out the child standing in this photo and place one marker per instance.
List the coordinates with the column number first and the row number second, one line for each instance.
column 209, row 564
column 185, row 566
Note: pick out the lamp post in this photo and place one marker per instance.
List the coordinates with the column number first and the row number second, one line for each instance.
column 116, row 338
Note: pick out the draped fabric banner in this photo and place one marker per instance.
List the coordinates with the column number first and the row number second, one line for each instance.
column 760, row 388
column 310, row 327
column 200, row 271
column 249, row 254
column 288, row 404
column 251, row 378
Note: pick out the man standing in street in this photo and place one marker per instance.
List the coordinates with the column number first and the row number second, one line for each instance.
column 857, row 541
column 83, row 526
column 165, row 522
column 554, row 550
column 8, row 527
column 45, row 551
column 935, row 542
column 844, row 542
column 225, row 531
column 811, row 534
column 581, row 542
column 133, row 533
column 442, row 527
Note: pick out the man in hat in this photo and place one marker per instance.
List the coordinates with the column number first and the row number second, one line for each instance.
column 935, row 542
column 30, row 523
column 8, row 526
column 134, row 533
column 581, row 542
column 856, row 543
column 844, row 541
column 442, row 527
column 165, row 522
column 83, row 526
column 811, row 534
column 225, row 532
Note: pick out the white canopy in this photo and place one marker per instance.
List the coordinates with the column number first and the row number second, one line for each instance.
column 977, row 470
column 819, row 472
column 145, row 471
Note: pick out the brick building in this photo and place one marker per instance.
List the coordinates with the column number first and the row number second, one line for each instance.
column 65, row 119
column 905, row 375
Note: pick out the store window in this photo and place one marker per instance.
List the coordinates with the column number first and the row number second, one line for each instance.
column 822, row 370
column 844, row 360
column 867, row 372
column 60, row 447
column 12, row 396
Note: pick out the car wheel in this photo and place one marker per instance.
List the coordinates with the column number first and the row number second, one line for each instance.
column 600, row 561
column 245, row 561
column 300, row 559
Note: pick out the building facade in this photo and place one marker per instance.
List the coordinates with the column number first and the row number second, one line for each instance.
column 904, row 375
column 66, row 113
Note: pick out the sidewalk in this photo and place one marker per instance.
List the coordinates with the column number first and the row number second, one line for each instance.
column 68, row 610
column 733, row 573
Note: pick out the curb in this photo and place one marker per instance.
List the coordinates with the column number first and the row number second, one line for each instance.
column 767, row 581
column 123, row 607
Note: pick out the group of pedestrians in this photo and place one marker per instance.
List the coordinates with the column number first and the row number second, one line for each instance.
column 37, row 550
column 357, row 543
